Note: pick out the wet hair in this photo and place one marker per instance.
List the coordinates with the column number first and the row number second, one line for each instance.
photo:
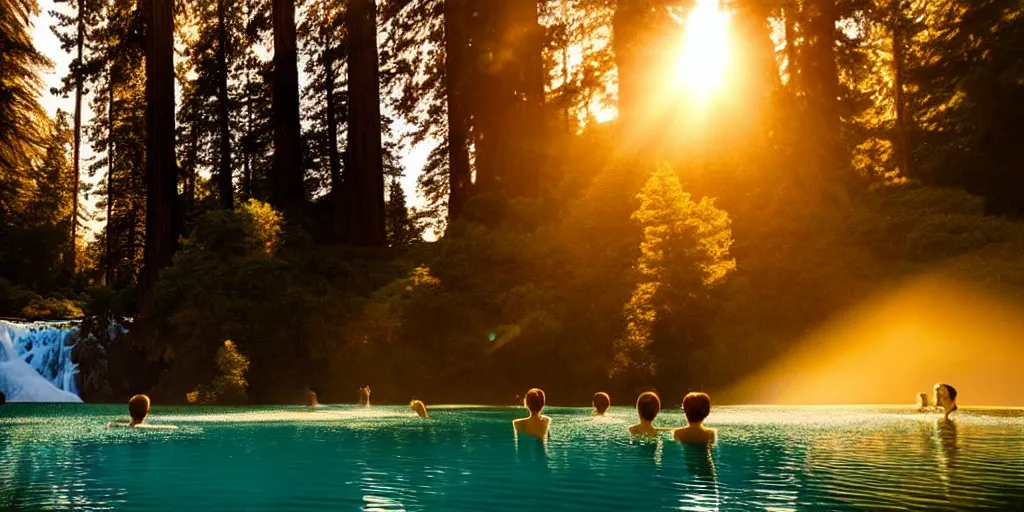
column 696, row 406
column 602, row 402
column 414, row 403
column 535, row 400
column 138, row 408
column 949, row 389
column 648, row 405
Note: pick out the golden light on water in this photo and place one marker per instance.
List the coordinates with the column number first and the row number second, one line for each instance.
column 701, row 65
column 900, row 344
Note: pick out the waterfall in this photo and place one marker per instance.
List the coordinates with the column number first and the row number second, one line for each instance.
column 35, row 361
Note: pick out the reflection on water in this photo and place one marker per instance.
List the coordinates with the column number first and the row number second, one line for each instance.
column 701, row 492
column 466, row 458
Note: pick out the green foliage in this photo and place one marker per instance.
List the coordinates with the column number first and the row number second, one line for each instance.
column 17, row 301
column 402, row 228
column 684, row 252
column 562, row 272
column 35, row 238
column 229, row 386
column 50, row 308
column 22, row 118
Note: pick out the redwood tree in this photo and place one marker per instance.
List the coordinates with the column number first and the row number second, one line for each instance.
column 288, row 193
column 364, row 170
column 161, row 165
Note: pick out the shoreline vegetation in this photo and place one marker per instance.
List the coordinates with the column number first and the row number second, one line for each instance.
column 624, row 196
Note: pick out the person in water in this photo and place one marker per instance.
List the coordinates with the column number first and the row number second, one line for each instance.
column 536, row 424
column 420, row 408
column 648, row 405
column 601, row 403
column 922, row 402
column 364, row 396
column 945, row 398
column 311, row 399
column 138, row 410
column 696, row 407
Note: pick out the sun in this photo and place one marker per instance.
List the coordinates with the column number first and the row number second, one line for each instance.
column 704, row 51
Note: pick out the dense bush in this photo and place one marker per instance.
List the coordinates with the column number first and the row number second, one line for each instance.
column 495, row 308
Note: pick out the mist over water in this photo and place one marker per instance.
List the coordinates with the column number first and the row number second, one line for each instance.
column 902, row 343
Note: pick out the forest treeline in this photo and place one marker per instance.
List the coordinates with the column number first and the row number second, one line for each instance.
column 600, row 226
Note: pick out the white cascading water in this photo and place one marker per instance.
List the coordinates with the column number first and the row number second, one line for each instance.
column 35, row 362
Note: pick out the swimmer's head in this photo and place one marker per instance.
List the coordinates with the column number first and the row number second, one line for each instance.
column 696, row 406
column 534, row 400
column 419, row 407
column 945, row 396
column 138, row 408
column 922, row 399
column 648, row 405
column 602, row 402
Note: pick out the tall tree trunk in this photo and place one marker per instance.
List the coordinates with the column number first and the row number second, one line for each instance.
column 191, row 159
column 161, row 164
column 71, row 254
column 898, row 62
column 627, row 35
column 288, row 185
column 531, row 125
column 247, row 153
column 637, row 27
column 821, row 78
column 225, row 183
column 491, row 107
column 338, row 199
column 366, row 222
column 108, row 250
column 567, row 120
column 508, row 92
column 456, row 64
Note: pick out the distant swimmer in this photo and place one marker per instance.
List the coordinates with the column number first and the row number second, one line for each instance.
column 945, row 398
column 601, row 403
column 420, row 408
column 696, row 407
column 311, row 399
column 922, row 403
column 648, row 405
column 138, row 409
column 536, row 424
column 364, row 396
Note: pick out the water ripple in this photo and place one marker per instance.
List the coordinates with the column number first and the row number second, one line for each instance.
column 465, row 458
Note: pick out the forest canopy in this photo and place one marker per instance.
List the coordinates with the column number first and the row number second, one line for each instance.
column 622, row 195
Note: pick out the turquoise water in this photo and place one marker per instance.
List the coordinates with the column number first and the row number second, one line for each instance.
column 59, row 457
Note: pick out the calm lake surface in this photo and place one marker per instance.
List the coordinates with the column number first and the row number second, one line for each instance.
column 60, row 457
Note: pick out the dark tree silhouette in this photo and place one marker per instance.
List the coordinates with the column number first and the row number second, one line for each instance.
column 457, row 89
column 364, row 170
column 288, row 191
column 161, row 165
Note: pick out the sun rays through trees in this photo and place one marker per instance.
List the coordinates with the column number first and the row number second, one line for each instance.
column 433, row 194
